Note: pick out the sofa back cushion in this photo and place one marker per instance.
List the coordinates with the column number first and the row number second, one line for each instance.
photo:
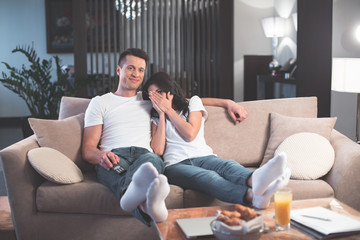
column 71, row 106
column 246, row 141
column 282, row 127
column 63, row 135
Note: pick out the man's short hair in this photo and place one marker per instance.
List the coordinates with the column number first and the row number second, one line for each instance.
column 137, row 52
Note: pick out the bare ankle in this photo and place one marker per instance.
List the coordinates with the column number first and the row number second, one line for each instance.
column 249, row 196
column 249, row 181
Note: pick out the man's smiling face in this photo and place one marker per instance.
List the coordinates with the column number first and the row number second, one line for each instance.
column 131, row 73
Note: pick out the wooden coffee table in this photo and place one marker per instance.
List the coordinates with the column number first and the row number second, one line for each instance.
column 169, row 230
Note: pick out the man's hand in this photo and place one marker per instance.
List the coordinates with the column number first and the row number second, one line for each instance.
column 108, row 160
column 91, row 153
column 236, row 112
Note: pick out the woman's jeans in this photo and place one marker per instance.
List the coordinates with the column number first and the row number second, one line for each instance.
column 132, row 158
column 221, row 178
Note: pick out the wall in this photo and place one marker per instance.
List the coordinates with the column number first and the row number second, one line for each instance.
column 22, row 22
column 287, row 45
column 345, row 19
column 314, row 52
column 249, row 38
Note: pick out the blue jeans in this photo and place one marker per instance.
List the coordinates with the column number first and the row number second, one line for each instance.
column 133, row 157
column 221, row 178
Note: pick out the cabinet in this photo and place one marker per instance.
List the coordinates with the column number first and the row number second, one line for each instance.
column 254, row 65
column 269, row 87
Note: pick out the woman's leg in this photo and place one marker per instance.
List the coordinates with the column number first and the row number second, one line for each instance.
column 226, row 168
column 266, row 174
column 219, row 177
column 262, row 201
column 189, row 176
column 259, row 180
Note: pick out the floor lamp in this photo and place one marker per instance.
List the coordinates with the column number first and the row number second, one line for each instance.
column 273, row 27
column 346, row 78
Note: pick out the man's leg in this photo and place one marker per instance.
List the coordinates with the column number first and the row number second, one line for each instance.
column 118, row 183
column 136, row 191
column 148, row 188
column 155, row 199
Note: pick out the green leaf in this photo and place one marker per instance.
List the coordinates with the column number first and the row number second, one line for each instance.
column 33, row 83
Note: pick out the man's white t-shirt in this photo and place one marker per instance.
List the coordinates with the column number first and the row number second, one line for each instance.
column 177, row 147
column 126, row 120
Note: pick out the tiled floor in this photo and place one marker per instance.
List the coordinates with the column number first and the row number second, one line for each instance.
column 6, row 227
column 4, row 204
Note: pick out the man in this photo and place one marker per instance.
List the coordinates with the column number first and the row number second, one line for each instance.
column 118, row 132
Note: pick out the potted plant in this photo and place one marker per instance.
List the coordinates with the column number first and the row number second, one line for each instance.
column 41, row 94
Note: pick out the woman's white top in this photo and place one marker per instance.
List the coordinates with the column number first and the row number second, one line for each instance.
column 177, row 147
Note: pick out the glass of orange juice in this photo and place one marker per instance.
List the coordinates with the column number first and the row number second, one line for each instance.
column 282, row 199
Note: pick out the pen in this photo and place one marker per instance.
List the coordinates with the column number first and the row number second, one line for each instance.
column 319, row 218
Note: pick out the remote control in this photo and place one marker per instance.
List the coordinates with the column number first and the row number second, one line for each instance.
column 119, row 169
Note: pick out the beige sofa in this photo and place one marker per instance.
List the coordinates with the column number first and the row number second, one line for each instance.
column 88, row 210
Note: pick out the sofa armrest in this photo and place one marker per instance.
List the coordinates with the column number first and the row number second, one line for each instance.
column 21, row 181
column 344, row 175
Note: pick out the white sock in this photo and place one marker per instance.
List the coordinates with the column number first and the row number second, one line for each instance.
column 136, row 192
column 155, row 199
column 265, row 175
column 263, row 201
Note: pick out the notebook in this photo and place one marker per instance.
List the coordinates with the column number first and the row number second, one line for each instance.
column 323, row 223
column 196, row 227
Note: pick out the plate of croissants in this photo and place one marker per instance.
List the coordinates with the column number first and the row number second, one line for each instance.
column 242, row 223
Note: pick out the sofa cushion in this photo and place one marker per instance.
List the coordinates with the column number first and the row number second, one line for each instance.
column 306, row 189
column 282, row 127
column 193, row 198
column 175, row 199
column 63, row 135
column 302, row 189
column 54, row 166
column 89, row 197
column 309, row 155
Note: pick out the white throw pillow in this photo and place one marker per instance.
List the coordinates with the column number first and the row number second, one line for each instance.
column 309, row 155
column 54, row 166
column 282, row 126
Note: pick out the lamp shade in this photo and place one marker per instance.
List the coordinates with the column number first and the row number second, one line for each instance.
column 273, row 26
column 294, row 19
column 346, row 75
column 357, row 33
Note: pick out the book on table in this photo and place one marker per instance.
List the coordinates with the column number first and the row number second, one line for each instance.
column 196, row 227
column 323, row 223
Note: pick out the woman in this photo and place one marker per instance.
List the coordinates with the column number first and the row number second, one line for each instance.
column 178, row 135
